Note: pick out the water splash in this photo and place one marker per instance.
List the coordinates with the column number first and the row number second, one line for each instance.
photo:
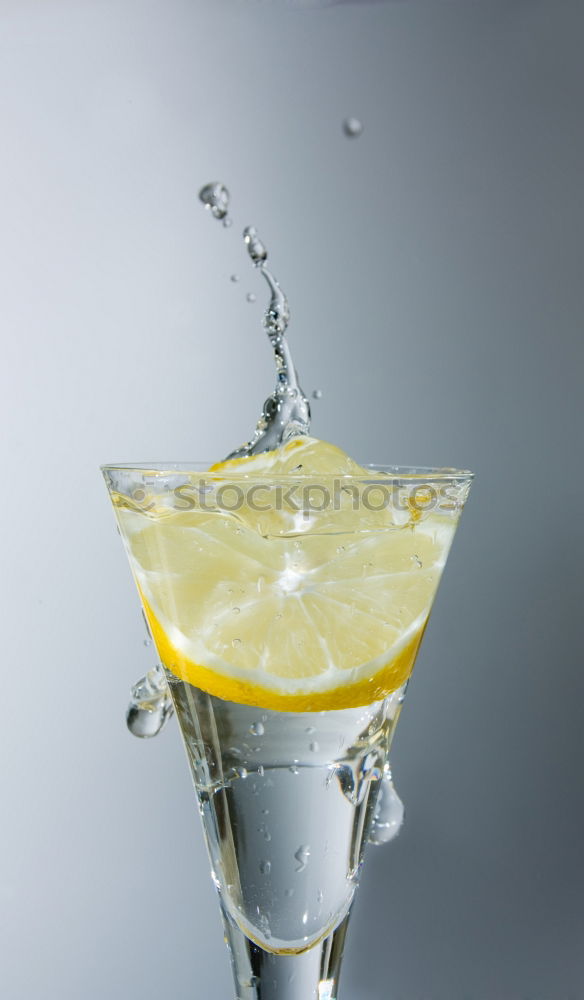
column 286, row 413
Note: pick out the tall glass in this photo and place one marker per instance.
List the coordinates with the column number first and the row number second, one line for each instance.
column 287, row 613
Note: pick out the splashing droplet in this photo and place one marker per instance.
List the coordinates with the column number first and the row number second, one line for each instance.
column 352, row 128
column 215, row 198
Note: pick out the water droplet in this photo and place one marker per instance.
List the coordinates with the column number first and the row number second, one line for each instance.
column 310, row 729
column 234, row 277
column 417, row 560
column 147, row 641
column 302, row 855
column 250, row 297
column 257, row 729
column 236, row 610
column 305, row 917
column 242, row 772
column 288, row 892
column 265, row 867
column 227, row 222
column 293, row 769
column 235, row 643
column 317, row 394
column 215, row 197
column 389, row 813
column 340, row 549
column 264, row 832
column 319, row 895
column 314, row 747
column 352, row 128
column 150, row 705
column 261, row 771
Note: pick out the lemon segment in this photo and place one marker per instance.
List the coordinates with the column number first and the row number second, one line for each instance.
column 288, row 612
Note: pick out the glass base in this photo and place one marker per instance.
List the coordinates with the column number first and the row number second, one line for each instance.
column 264, row 975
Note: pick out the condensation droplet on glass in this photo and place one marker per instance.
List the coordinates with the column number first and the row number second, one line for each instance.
column 242, row 772
column 257, row 729
column 417, row 560
column 234, row 278
column 352, row 127
column 261, row 771
column 236, row 610
column 319, row 895
column 310, row 729
column 235, row 643
column 265, row 867
column 293, row 769
column 227, row 222
column 250, row 297
column 314, row 747
column 302, row 855
column 317, row 394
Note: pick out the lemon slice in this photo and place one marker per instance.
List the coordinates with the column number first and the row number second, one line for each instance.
column 292, row 613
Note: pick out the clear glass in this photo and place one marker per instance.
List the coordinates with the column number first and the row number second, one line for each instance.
column 269, row 600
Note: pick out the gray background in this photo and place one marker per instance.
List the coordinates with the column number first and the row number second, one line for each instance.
column 434, row 269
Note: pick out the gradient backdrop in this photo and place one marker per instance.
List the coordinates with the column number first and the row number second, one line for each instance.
column 434, row 268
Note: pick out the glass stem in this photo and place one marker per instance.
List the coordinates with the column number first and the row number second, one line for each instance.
column 264, row 975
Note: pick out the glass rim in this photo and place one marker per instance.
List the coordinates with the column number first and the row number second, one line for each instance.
column 413, row 473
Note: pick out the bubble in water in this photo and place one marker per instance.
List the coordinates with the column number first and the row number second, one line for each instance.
column 352, row 128
column 234, row 277
column 250, row 297
column 302, row 855
column 317, row 394
column 257, row 729
column 215, row 198
column 389, row 813
column 150, row 705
